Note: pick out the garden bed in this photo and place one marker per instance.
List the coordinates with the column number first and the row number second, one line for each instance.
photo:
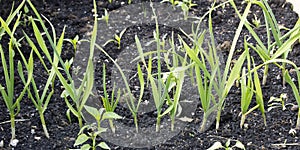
column 78, row 19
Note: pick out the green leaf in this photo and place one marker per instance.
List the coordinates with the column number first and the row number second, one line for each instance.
column 240, row 145
column 259, row 95
column 235, row 73
column 81, row 139
column 110, row 115
column 288, row 79
column 89, row 83
column 215, row 146
column 169, row 109
column 227, row 144
column 100, row 130
column 71, row 108
column 85, row 147
column 68, row 114
column 93, row 111
column 286, row 46
column 103, row 145
column 40, row 40
column 83, row 128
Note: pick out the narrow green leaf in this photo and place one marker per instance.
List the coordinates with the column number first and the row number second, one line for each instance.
column 288, row 79
column 71, row 108
column 235, row 73
column 259, row 95
column 40, row 40
column 286, row 46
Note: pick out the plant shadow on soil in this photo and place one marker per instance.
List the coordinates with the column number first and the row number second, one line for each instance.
column 78, row 17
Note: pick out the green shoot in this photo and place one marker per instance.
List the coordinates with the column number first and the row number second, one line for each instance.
column 79, row 96
column 109, row 104
column 186, row 5
column 105, row 17
column 41, row 101
column 7, row 92
column 295, row 91
column 259, row 95
column 247, row 87
column 247, row 92
column 275, row 102
column 159, row 89
column 218, row 145
column 97, row 114
column 131, row 105
column 117, row 39
column 92, row 134
column 173, row 2
column 74, row 42
column 256, row 22
column 228, row 80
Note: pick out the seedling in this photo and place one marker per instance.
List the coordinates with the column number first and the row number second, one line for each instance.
column 158, row 86
column 247, row 88
column 173, row 2
column 105, row 17
column 92, row 133
column 109, row 104
column 295, row 91
column 101, row 115
column 117, row 39
column 74, row 42
column 41, row 101
column 134, row 107
column 218, row 145
column 283, row 43
column 256, row 21
column 78, row 95
column 8, row 91
column 186, row 5
column 277, row 102
column 205, row 82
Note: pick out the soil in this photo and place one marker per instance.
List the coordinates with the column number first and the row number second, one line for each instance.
column 77, row 16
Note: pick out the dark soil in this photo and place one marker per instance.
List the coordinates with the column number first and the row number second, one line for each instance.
column 77, row 16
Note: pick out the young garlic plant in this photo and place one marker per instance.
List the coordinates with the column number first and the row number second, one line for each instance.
column 7, row 91
column 109, row 102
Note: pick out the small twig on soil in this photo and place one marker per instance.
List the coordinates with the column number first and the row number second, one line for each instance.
column 17, row 120
column 286, row 144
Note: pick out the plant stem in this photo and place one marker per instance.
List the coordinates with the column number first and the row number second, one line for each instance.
column 243, row 120
column 12, row 124
column 136, row 123
column 298, row 120
column 265, row 74
column 44, row 124
column 112, row 127
column 203, row 124
column 283, row 71
column 79, row 120
column 218, row 117
column 158, row 123
column 94, row 141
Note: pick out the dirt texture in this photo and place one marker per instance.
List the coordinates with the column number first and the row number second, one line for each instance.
column 77, row 16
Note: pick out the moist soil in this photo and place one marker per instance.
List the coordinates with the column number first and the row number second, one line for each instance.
column 77, row 16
